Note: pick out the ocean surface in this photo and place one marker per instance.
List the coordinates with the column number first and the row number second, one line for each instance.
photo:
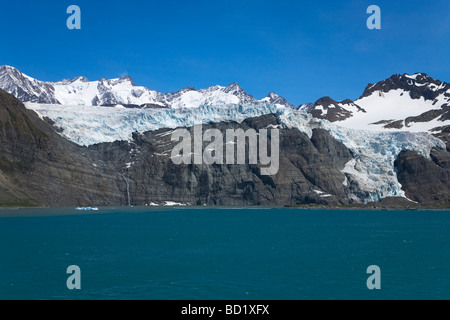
column 220, row 253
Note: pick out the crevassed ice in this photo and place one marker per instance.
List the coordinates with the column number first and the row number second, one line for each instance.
column 374, row 156
column 88, row 125
column 374, row 153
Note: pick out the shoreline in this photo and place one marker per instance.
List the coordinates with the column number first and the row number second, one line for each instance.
column 6, row 212
column 389, row 203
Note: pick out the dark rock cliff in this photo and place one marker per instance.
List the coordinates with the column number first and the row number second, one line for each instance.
column 309, row 169
column 40, row 167
column 425, row 180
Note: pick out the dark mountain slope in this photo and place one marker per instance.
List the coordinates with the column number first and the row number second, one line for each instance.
column 425, row 180
column 39, row 167
column 309, row 170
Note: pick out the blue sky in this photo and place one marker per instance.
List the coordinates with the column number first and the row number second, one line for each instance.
column 302, row 50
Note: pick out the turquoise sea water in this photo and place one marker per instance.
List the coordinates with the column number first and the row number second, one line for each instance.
column 191, row 253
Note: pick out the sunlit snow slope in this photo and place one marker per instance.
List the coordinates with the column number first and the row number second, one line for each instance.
column 414, row 103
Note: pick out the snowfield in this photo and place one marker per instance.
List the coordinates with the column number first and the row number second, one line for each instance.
column 393, row 105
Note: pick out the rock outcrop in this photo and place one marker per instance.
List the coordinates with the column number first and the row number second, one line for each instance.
column 309, row 170
column 39, row 167
column 425, row 180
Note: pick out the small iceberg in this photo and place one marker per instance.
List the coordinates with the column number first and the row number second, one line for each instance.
column 86, row 209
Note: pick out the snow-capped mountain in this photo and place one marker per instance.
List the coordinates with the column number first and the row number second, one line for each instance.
column 415, row 103
column 25, row 88
column 273, row 98
column 122, row 91
column 390, row 117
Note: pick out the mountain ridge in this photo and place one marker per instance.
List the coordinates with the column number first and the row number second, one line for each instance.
column 123, row 91
column 415, row 103
column 120, row 91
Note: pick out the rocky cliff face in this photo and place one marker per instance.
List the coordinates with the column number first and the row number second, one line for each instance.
column 425, row 180
column 40, row 167
column 309, row 170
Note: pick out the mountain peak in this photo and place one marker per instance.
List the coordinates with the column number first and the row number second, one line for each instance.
column 272, row 95
column 113, row 82
column 70, row 81
column 127, row 79
column 416, row 75
column 325, row 102
column 234, row 84
column 7, row 68
column 15, row 74
column 25, row 88
column 179, row 93
column 189, row 88
column 233, row 87
column 275, row 98
column 81, row 78
column 419, row 85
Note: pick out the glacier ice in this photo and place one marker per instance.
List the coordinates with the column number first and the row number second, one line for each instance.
column 371, row 169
